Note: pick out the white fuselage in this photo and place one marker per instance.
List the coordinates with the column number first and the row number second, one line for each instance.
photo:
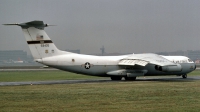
column 101, row 65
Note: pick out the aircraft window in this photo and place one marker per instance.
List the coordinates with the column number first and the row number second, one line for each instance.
column 189, row 60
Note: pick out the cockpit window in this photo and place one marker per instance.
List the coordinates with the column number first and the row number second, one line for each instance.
column 189, row 60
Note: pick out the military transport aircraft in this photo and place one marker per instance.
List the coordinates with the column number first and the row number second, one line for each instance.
column 128, row 66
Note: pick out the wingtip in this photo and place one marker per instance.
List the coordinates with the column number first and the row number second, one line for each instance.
column 11, row 24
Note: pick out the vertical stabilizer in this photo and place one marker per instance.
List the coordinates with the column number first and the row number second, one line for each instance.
column 40, row 44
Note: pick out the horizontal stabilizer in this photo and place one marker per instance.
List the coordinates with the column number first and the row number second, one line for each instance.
column 12, row 24
column 36, row 24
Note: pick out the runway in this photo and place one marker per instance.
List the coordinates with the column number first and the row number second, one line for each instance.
column 161, row 79
column 15, row 70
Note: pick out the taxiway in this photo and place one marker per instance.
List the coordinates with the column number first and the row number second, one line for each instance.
column 162, row 79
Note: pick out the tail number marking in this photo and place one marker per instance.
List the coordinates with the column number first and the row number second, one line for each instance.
column 44, row 45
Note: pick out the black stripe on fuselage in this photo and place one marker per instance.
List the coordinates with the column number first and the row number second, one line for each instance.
column 39, row 42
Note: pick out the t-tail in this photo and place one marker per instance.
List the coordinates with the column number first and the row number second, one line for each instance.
column 40, row 44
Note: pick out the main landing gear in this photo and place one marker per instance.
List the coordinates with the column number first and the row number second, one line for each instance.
column 116, row 78
column 184, row 76
column 130, row 78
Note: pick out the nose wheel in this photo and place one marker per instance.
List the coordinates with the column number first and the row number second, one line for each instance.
column 184, row 76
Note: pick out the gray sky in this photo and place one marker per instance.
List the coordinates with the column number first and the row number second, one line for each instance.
column 122, row 26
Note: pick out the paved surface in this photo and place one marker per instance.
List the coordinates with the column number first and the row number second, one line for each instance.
column 153, row 78
column 50, row 82
column 41, row 69
column 161, row 79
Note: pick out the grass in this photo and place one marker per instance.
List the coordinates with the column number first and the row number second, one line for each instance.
column 140, row 96
column 194, row 73
column 15, row 76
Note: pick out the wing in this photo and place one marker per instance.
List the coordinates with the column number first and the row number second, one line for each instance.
column 144, row 59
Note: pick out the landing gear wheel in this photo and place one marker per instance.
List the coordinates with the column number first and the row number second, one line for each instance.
column 184, row 76
column 130, row 78
column 116, row 78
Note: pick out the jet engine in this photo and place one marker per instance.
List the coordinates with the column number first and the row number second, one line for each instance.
column 176, row 68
